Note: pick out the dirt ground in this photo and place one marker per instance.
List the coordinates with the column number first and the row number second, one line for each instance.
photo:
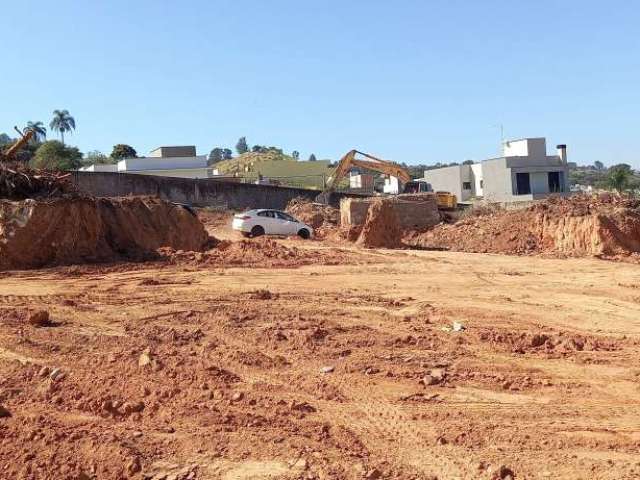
column 349, row 371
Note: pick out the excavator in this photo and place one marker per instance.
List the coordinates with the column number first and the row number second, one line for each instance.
column 9, row 154
column 369, row 162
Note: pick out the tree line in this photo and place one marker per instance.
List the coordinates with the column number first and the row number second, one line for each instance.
column 56, row 154
column 620, row 177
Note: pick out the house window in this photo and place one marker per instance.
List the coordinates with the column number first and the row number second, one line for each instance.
column 523, row 184
column 555, row 182
column 466, row 185
column 481, row 183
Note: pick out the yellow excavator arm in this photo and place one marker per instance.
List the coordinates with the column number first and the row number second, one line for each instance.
column 10, row 153
column 369, row 162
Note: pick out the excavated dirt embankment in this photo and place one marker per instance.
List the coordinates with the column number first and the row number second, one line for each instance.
column 64, row 231
column 604, row 225
column 381, row 228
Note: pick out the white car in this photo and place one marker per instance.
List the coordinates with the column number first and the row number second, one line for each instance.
column 254, row 223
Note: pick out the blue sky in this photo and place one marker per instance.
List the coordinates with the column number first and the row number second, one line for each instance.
column 413, row 81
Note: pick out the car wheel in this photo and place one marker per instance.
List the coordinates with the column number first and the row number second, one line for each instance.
column 257, row 231
column 304, row 233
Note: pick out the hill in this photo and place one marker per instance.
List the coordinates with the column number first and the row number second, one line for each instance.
column 249, row 162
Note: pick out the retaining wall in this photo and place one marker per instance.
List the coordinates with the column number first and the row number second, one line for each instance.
column 197, row 192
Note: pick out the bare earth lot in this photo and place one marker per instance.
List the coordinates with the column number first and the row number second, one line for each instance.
column 180, row 372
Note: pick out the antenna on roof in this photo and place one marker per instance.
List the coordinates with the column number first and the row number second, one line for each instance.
column 501, row 126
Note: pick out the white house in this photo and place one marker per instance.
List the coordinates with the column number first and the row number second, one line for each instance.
column 180, row 161
column 524, row 172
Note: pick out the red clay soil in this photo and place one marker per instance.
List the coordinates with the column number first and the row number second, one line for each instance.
column 381, row 229
column 324, row 373
column 604, row 225
column 316, row 215
column 66, row 231
column 260, row 252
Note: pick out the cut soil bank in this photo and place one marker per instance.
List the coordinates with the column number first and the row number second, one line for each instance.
column 577, row 226
column 64, row 231
column 381, row 229
column 315, row 215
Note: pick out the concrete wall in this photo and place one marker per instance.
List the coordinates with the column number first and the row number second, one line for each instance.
column 452, row 179
column 98, row 167
column 180, row 151
column 179, row 173
column 157, row 163
column 209, row 192
column 497, row 180
column 477, row 175
column 448, row 179
column 534, row 148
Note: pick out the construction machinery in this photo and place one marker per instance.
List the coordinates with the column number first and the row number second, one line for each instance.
column 9, row 154
column 392, row 169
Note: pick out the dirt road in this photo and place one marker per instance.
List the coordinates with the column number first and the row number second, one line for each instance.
column 324, row 372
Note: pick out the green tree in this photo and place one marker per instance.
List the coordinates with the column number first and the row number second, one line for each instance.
column 39, row 131
column 96, row 157
column 62, row 122
column 598, row 165
column 619, row 177
column 468, row 162
column 55, row 155
column 241, row 146
column 216, row 155
column 296, row 155
column 312, row 158
column 122, row 150
column 5, row 139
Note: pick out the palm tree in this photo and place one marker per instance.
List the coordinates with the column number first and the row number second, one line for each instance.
column 39, row 131
column 62, row 122
column 619, row 177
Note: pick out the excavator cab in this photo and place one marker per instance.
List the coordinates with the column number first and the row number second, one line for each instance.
column 417, row 186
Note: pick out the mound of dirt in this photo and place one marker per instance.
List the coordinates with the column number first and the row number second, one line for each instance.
column 381, row 228
column 313, row 214
column 259, row 252
column 18, row 182
column 248, row 161
column 605, row 225
column 64, row 231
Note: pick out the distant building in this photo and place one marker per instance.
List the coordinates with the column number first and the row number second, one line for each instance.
column 391, row 185
column 166, row 152
column 100, row 167
column 524, row 172
column 180, row 161
column 361, row 182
